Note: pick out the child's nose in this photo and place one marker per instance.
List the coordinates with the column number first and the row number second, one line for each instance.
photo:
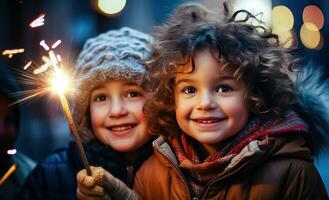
column 207, row 101
column 117, row 108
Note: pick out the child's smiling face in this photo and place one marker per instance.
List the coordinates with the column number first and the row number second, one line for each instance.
column 116, row 113
column 210, row 105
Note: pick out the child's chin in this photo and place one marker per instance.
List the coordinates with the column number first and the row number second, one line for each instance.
column 124, row 146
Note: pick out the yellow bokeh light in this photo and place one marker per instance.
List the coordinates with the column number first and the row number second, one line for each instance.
column 310, row 35
column 321, row 43
column 59, row 82
column 313, row 14
column 282, row 19
column 111, row 7
column 286, row 39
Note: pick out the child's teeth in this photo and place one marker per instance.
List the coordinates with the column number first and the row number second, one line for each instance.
column 207, row 121
column 121, row 128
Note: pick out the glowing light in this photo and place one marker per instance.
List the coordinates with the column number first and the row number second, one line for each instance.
column 11, row 151
column 59, row 58
column 282, row 19
column 56, row 44
column 111, row 7
column 59, row 82
column 40, row 21
column 44, row 45
column 260, row 8
column 286, row 39
column 310, row 35
column 53, row 59
column 27, row 65
column 313, row 14
column 11, row 52
column 42, row 68
column 321, row 44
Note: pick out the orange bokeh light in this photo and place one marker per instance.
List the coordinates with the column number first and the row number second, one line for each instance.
column 313, row 14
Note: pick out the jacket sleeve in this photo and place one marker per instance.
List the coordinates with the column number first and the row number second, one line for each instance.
column 32, row 187
column 138, row 185
column 304, row 182
column 54, row 178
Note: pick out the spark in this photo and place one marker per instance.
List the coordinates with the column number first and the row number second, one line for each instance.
column 56, row 44
column 11, row 52
column 59, row 58
column 41, row 69
column 47, row 77
column 53, row 59
column 27, row 65
column 38, row 21
column 7, row 174
column 44, row 45
column 11, row 151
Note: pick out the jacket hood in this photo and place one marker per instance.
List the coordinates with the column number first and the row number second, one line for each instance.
column 313, row 105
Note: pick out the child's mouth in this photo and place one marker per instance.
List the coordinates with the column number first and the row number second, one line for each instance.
column 207, row 120
column 121, row 128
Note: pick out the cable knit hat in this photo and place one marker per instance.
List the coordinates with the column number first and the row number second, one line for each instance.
column 114, row 55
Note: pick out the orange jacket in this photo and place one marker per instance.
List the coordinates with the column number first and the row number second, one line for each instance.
column 274, row 168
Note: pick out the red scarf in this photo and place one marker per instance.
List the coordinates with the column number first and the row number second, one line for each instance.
column 199, row 173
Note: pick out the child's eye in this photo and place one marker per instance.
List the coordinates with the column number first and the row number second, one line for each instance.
column 100, row 98
column 223, row 89
column 133, row 94
column 189, row 90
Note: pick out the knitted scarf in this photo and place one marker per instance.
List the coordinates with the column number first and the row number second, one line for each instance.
column 199, row 173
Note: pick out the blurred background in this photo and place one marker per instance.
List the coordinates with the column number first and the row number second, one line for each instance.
column 44, row 127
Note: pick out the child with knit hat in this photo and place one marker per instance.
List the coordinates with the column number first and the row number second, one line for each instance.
column 108, row 112
column 233, row 124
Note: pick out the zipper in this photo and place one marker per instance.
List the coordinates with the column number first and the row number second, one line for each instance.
column 179, row 173
column 130, row 175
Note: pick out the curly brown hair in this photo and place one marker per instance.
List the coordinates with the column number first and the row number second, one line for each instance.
column 255, row 57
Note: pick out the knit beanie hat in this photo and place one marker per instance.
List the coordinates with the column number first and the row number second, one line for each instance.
column 114, row 55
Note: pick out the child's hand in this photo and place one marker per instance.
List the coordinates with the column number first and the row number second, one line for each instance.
column 102, row 185
column 91, row 187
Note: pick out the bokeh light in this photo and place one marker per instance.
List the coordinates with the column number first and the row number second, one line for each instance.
column 282, row 19
column 321, row 43
column 111, row 7
column 310, row 35
column 286, row 39
column 313, row 14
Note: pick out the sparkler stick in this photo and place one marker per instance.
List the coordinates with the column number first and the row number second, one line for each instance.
column 69, row 118
column 7, row 174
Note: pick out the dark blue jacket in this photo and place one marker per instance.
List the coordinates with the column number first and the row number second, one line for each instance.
column 55, row 178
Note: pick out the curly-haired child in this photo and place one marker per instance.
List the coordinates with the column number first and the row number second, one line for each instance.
column 232, row 122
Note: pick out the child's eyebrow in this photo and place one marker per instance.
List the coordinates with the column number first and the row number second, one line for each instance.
column 98, row 87
column 130, row 84
column 221, row 78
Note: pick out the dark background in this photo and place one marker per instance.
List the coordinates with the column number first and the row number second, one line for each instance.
column 44, row 127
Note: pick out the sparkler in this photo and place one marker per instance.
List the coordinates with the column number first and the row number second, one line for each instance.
column 55, row 80
column 59, row 84
column 51, row 75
